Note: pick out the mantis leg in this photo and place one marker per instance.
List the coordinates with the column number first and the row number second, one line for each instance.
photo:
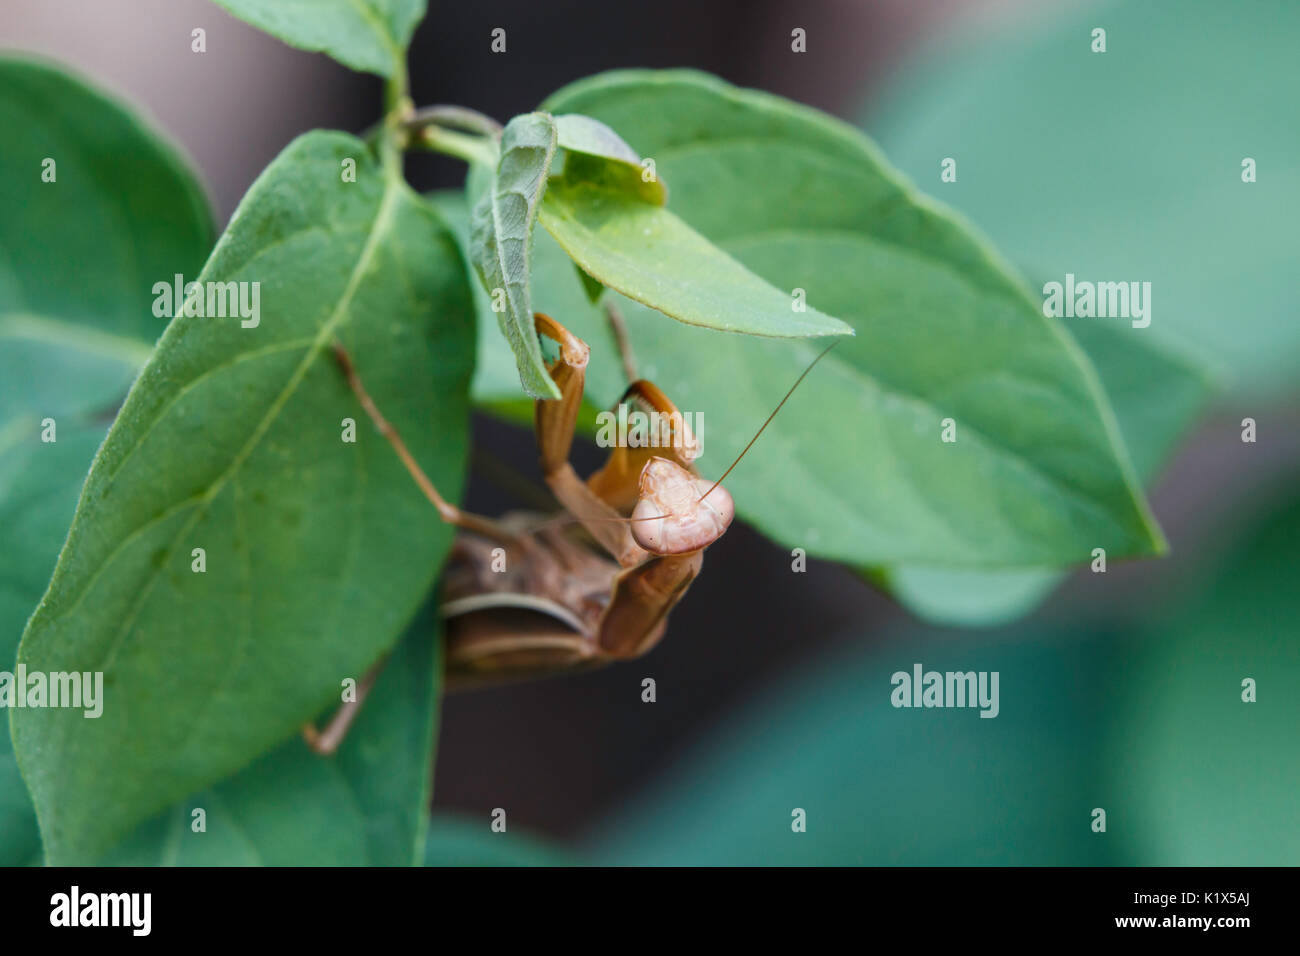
column 446, row 510
column 617, row 481
column 554, row 420
column 637, row 614
column 326, row 742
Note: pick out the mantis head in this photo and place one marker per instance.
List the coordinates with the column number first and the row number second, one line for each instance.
column 677, row 512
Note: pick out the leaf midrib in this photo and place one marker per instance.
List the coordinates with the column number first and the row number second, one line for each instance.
column 382, row 223
column 192, row 500
column 376, row 21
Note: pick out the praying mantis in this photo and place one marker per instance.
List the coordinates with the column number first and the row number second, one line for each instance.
column 526, row 596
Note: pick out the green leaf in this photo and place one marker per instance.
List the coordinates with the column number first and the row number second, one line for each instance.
column 367, row 35
column 853, row 468
column 648, row 254
column 501, row 231
column 365, row 806
column 459, row 842
column 591, row 286
column 318, row 551
column 39, row 483
column 969, row 598
column 594, row 151
column 79, row 255
column 1133, row 369
column 582, row 134
column 1216, row 251
column 62, row 368
column 78, row 259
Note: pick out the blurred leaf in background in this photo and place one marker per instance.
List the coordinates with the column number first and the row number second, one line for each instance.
column 1149, row 726
column 109, row 209
column 98, row 207
column 367, row 35
column 1127, row 165
column 39, row 484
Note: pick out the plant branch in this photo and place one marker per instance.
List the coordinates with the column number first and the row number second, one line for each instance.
column 456, row 117
column 472, row 149
column 391, row 133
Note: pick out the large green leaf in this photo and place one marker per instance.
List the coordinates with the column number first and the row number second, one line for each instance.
column 1127, row 165
column 1157, row 395
column 78, row 259
column 368, row 35
column 501, row 236
column 365, row 806
column 853, row 468
column 317, row 550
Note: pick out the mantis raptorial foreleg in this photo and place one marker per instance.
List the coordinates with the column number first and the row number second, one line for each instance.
column 554, row 422
column 617, row 481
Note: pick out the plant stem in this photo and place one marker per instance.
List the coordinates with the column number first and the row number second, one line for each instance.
column 472, row 149
column 454, row 130
column 392, row 134
column 457, row 117
column 397, row 92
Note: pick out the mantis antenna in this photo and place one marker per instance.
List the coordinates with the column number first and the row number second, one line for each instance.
column 569, row 519
column 770, row 417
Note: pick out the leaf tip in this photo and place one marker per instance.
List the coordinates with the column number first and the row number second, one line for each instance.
column 836, row 326
column 1156, row 537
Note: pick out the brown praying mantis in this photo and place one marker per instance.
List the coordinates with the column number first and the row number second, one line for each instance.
column 526, row 595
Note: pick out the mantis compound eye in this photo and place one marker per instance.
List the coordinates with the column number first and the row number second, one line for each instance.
column 672, row 516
